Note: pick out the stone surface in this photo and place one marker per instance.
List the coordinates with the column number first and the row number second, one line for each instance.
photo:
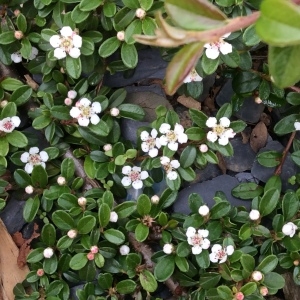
column 207, row 190
column 150, row 65
column 249, row 112
column 243, row 157
column 154, row 88
column 208, row 83
column 245, row 177
column 264, row 173
column 129, row 129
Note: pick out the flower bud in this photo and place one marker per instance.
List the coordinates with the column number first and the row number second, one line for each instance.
column 107, row 147
column 289, row 229
column 68, row 101
column 154, row 199
column 94, row 249
column 61, row 180
column 203, row 148
column 257, row 276
column 90, row 256
column 114, row 112
column 257, row 100
column 40, row 272
column 140, row 13
column 121, row 35
column 296, row 262
column 113, row 217
column 72, row 94
column 254, row 215
column 29, row 189
column 18, row 34
column 17, row 12
column 168, row 248
column 3, row 103
column 239, row 296
column 264, row 291
column 124, row 250
column 48, row 252
column 203, row 210
column 72, row 233
column 82, row 201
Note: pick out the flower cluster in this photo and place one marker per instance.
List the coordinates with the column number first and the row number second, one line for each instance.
column 68, row 42
column 9, row 124
column 214, row 49
column 198, row 239
column 85, row 112
column 220, row 131
column 134, row 177
column 150, row 143
column 219, row 254
column 170, row 137
column 33, row 158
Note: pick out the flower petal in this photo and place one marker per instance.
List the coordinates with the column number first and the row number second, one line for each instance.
column 182, row 138
column 211, row 122
column 66, row 31
column 203, row 232
column 164, row 128
column 28, row 168
column 196, row 250
column 85, row 102
column 225, row 122
column 126, row 181
column 173, row 146
column 126, row 170
column 44, row 156
column 74, row 52
column 144, row 136
column 16, row 57
column 164, row 160
column 205, row 244
column 138, row 184
column 75, row 112
column 83, row 121
column 172, row 175
column 216, row 248
column 212, row 52
column 16, row 121
column 211, row 136
column 96, row 106
column 34, row 150
column 144, row 175
column 175, row 164
column 24, row 157
column 154, row 133
column 229, row 250
column 223, row 140
column 55, row 41
column 213, row 258
column 95, row 119
column 178, row 129
column 59, row 53
column 191, row 231
column 152, row 152
column 77, row 40
column 224, row 258
column 163, row 140
column 145, row 147
column 136, row 169
column 225, row 48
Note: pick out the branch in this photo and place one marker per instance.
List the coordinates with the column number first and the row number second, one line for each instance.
column 146, row 252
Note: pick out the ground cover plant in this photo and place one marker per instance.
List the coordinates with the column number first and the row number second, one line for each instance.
column 89, row 229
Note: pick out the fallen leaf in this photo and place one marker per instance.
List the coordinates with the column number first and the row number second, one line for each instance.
column 189, row 102
column 258, row 137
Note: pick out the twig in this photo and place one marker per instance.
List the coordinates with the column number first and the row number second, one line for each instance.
column 285, row 153
column 146, row 252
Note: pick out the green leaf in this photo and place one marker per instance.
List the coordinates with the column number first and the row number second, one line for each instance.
column 134, row 28
column 269, row 158
column 224, row 111
column 141, row 232
column 209, row 280
column 279, row 23
column 11, row 84
column 39, row 176
column 247, row 262
column 182, row 263
column 250, row 36
column 114, row 236
column 9, row 110
column 224, row 292
column 181, row 64
column 195, row 133
column 291, row 244
column 188, row 156
column 195, row 14
column 21, row 23
column 7, row 37
column 109, row 46
column 48, row 235
column 54, row 288
column 73, row 67
column 164, row 268
column 86, row 224
column 21, row 95
column 148, row 26
column 31, row 208
column 35, row 255
column 129, row 55
column 63, row 220
column 209, row 66
column 103, row 214
column 249, row 288
column 125, row 209
column 284, row 65
column 268, row 202
column 148, row 281
column 220, row 210
column 231, row 59
column 247, row 190
column 105, row 281
column 273, row 280
column 41, row 122
column 126, row 286
column 268, row 264
column 67, row 168
column 22, row 178
column 131, row 111
column 245, row 82
column 290, row 205
column 78, row 261
column 17, row 139
column 88, row 5
column 60, row 112
column 286, row 125
column 293, row 98
column 198, row 117
column 143, row 205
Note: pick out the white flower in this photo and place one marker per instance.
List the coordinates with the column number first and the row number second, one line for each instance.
column 61, row 180
column 16, row 57
column 68, row 42
column 48, row 252
column 85, row 113
column 81, row 201
column 29, row 189
column 154, row 199
column 9, row 124
column 134, row 176
column 203, row 210
column 72, row 94
column 254, row 215
column 297, row 125
column 198, row 239
column 257, row 276
column 213, row 49
column 172, row 137
column 150, row 143
column 219, row 254
column 289, row 229
column 72, row 233
column 113, row 217
column 168, row 248
column 192, row 76
column 124, row 250
column 33, row 158
column 169, row 166
column 219, row 131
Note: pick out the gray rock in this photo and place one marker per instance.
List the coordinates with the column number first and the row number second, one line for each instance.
column 208, row 82
column 242, row 158
column 207, row 190
column 154, row 88
column 74, row 289
column 264, row 173
column 249, row 112
column 129, row 129
column 150, row 65
column 246, row 177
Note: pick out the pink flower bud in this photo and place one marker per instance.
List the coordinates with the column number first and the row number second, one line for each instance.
column 90, row 256
column 296, row 262
column 257, row 276
column 113, row 217
column 61, row 180
column 140, row 13
column 107, row 147
column 72, row 233
column 40, row 272
column 239, row 296
column 17, row 12
column 264, row 291
column 155, row 199
column 48, row 252
column 18, row 34
column 94, row 249
column 29, row 189
column 203, row 148
column 114, row 112
column 121, row 35
column 68, row 101
column 72, row 94
column 257, row 100
column 81, row 201
column 124, row 250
